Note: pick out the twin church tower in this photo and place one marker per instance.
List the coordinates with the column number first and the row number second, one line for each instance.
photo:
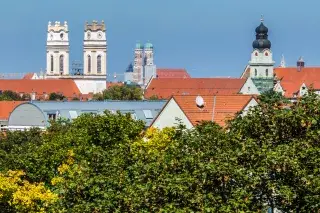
column 94, row 51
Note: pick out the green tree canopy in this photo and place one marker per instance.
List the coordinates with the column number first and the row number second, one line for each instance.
column 110, row 163
column 9, row 95
column 123, row 92
column 56, row 97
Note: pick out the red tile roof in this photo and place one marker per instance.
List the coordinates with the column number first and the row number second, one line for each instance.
column 167, row 87
column 291, row 79
column 218, row 108
column 6, row 107
column 28, row 76
column 111, row 84
column 172, row 73
column 65, row 86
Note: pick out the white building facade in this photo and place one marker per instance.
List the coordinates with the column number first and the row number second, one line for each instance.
column 57, row 50
column 94, row 76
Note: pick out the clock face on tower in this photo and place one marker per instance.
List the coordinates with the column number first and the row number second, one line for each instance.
column 99, row 35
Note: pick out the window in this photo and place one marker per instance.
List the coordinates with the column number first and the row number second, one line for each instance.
column 89, row 64
column 73, row 114
column 249, row 89
column 267, row 72
column 99, row 64
column 51, row 63
column 52, row 116
column 148, row 114
column 256, row 54
column 266, row 54
column 61, row 63
column 255, row 72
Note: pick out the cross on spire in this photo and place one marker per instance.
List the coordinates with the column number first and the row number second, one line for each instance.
column 262, row 18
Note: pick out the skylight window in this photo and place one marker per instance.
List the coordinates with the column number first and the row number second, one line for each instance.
column 148, row 114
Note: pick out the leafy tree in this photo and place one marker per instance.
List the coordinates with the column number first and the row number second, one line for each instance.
column 124, row 92
column 154, row 97
column 110, row 163
column 56, row 97
column 9, row 95
column 18, row 195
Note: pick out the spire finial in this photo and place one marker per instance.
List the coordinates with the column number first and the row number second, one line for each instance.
column 283, row 62
column 262, row 18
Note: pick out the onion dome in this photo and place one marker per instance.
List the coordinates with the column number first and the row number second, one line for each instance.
column 261, row 41
column 148, row 45
column 139, row 46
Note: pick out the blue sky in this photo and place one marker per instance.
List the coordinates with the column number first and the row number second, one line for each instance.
column 207, row 37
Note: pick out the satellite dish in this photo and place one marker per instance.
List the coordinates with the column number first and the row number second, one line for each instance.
column 199, row 101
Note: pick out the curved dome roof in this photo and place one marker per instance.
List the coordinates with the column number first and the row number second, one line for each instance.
column 261, row 41
column 261, row 44
column 148, row 45
column 261, row 29
column 139, row 46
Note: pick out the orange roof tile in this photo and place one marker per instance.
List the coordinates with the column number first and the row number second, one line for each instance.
column 218, row 108
column 28, row 76
column 110, row 84
column 166, row 87
column 172, row 73
column 291, row 79
column 65, row 86
column 6, row 107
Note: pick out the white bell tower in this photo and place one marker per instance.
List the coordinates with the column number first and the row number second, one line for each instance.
column 95, row 50
column 57, row 50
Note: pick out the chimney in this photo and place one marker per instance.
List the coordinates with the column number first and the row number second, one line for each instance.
column 300, row 64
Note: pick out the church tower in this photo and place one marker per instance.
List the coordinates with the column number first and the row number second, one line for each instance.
column 57, row 50
column 95, row 50
column 138, row 64
column 149, row 66
column 261, row 63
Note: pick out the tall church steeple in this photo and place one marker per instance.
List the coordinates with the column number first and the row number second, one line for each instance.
column 57, row 50
column 261, row 63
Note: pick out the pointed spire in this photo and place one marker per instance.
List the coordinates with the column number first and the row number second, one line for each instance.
column 262, row 18
column 283, row 62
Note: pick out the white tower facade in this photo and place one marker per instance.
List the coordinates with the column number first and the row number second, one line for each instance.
column 57, row 50
column 95, row 50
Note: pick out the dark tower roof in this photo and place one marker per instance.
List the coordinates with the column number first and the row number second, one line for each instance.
column 261, row 41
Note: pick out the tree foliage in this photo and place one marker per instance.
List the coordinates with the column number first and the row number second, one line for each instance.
column 123, row 92
column 9, row 95
column 110, row 163
column 56, row 97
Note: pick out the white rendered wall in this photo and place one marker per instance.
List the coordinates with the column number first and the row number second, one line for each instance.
column 90, row 86
column 252, row 103
column 95, row 45
column 260, row 62
column 167, row 118
column 249, row 88
column 57, row 45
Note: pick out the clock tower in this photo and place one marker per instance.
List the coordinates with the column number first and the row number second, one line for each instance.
column 261, row 63
column 57, row 50
column 95, row 50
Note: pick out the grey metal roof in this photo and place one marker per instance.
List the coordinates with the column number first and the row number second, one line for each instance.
column 141, row 110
